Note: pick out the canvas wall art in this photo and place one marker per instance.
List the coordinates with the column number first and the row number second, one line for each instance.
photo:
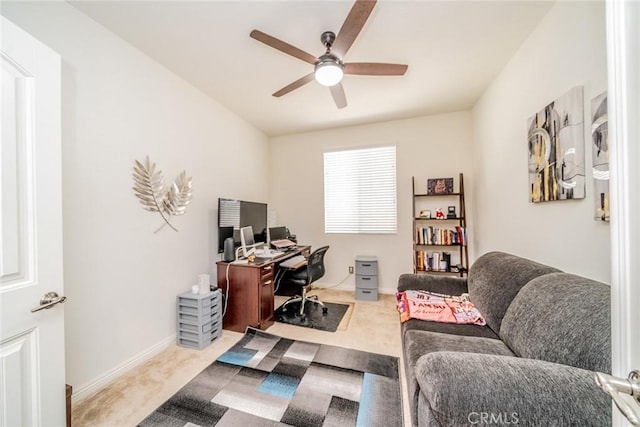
column 556, row 149
column 600, row 150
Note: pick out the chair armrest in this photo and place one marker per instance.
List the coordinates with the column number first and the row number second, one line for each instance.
column 448, row 285
column 460, row 388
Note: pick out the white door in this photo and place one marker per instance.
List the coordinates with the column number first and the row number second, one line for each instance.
column 32, row 379
column 623, row 49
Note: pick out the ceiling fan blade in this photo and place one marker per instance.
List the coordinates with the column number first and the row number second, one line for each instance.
column 295, row 85
column 375, row 69
column 283, row 46
column 352, row 26
column 337, row 92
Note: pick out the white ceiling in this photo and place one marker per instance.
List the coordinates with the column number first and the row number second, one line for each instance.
column 454, row 49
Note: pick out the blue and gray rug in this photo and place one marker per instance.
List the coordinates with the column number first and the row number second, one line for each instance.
column 266, row 380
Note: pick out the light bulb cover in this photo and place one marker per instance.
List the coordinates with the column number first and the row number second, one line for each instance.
column 328, row 71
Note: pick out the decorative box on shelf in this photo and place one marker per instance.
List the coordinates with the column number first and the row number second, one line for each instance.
column 199, row 318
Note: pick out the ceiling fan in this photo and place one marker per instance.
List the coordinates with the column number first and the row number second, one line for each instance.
column 330, row 67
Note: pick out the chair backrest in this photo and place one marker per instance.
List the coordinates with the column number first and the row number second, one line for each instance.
column 315, row 264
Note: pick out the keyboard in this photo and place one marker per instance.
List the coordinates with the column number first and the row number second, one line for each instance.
column 261, row 253
column 294, row 263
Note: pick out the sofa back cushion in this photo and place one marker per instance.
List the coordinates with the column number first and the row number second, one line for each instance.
column 561, row 318
column 496, row 278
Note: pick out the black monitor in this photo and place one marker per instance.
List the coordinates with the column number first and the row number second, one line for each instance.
column 235, row 214
column 255, row 215
column 278, row 233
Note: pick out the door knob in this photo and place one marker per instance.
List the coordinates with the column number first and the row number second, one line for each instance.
column 49, row 300
column 616, row 386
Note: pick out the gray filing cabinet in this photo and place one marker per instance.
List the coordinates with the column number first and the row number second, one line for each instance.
column 199, row 318
column 367, row 278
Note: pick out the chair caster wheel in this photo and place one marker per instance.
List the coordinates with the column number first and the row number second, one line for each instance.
column 325, row 310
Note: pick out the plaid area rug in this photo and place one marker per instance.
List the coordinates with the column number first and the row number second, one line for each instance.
column 266, row 380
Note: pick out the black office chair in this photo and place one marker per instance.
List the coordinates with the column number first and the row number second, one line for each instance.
column 306, row 275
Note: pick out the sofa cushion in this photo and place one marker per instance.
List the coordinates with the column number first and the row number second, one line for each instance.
column 561, row 318
column 418, row 343
column 448, row 285
column 448, row 328
column 456, row 389
column 496, row 278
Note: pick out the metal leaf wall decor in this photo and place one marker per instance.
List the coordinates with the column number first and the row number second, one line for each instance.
column 149, row 189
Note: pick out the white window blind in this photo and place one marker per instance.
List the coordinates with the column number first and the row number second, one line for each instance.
column 360, row 191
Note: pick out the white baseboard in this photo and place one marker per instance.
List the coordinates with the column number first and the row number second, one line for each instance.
column 87, row 390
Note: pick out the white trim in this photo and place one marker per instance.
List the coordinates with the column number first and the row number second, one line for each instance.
column 87, row 390
column 623, row 20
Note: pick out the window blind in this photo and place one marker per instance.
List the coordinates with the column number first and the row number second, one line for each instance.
column 360, row 191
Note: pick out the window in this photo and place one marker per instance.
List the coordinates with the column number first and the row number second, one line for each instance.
column 360, row 191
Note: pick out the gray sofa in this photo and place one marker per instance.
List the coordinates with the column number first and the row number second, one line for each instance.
column 532, row 364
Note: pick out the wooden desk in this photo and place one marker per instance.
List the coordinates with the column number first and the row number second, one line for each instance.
column 250, row 297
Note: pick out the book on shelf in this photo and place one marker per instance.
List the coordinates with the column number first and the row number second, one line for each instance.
column 430, row 235
column 434, row 261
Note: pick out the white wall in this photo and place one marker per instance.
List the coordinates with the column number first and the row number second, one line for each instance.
column 121, row 279
column 434, row 146
column 566, row 50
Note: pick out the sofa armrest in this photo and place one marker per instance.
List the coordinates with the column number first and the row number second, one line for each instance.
column 467, row 388
column 448, row 285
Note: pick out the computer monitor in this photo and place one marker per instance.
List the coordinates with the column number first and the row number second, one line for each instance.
column 278, row 233
column 239, row 213
column 247, row 240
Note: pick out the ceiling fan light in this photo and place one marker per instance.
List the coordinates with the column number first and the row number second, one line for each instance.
column 328, row 72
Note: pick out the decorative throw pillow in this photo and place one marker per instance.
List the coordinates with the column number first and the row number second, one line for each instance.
column 435, row 307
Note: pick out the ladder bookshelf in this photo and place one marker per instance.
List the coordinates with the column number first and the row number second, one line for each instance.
column 440, row 243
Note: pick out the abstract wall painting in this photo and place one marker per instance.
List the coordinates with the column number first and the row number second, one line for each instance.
column 600, row 149
column 556, row 149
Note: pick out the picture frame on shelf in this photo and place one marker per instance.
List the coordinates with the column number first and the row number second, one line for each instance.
column 439, row 186
column 426, row 214
column 451, row 212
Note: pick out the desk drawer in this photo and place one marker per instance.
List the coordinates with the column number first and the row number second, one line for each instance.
column 266, row 272
column 366, row 282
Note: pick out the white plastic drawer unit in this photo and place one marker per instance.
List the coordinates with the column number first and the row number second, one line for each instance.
column 199, row 318
column 366, row 278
